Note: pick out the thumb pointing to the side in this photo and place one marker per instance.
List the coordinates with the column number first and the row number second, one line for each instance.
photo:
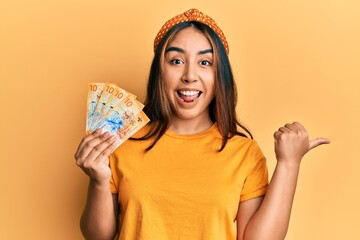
column 317, row 142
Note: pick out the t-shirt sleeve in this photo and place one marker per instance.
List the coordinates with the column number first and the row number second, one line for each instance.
column 114, row 177
column 256, row 182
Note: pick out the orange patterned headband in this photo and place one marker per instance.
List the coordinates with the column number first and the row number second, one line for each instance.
column 191, row 15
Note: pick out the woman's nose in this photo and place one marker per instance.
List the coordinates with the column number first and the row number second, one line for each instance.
column 189, row 75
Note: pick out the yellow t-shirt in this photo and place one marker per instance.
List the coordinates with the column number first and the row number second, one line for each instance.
column 184, row 188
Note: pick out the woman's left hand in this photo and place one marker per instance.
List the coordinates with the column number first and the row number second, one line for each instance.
column 292, row 143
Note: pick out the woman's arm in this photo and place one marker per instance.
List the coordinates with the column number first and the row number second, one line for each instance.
column 270, row 218
column 246, row 210
column 99, row 218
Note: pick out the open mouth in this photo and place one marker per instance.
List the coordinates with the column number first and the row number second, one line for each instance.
column 188, row 96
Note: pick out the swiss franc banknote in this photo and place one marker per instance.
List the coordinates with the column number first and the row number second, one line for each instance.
column 94, row 92
column 114, row 110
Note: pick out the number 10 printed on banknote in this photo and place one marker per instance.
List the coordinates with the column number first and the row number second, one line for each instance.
column 114, row 110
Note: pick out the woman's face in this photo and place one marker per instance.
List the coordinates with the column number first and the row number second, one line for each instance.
column 189, row 75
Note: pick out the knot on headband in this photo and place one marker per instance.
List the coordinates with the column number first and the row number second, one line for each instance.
column 192, row 15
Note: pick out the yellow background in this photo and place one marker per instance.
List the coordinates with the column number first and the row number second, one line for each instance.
column 293, row 60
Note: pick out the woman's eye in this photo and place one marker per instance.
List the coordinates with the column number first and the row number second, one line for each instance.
column 205, row 63
column 176, row 61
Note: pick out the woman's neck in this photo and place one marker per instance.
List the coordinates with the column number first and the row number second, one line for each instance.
column 189, row 126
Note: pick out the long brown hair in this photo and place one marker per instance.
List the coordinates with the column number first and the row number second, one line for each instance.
column 222, row 108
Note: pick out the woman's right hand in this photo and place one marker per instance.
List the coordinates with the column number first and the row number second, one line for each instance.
column 92, row 155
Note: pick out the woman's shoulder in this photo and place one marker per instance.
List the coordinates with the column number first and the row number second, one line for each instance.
column 245, row 143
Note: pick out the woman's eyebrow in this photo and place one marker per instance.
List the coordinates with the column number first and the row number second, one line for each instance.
column 180, row 50
column 176, row 49
column 206, row 51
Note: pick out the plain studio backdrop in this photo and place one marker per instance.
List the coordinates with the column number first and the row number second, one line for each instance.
column 293, row 60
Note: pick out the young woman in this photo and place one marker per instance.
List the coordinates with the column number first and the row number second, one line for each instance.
column 191, row 173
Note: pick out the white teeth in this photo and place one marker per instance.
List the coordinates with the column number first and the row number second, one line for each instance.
column 189, row 93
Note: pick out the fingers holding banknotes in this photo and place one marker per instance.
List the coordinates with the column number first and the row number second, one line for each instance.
column 92, row 155
column 113, row 116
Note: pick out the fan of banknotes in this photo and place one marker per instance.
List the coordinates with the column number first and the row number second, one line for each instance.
column 114, row 110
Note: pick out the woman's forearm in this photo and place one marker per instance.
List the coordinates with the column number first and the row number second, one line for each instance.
column 271, row 220
column 98, row 220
